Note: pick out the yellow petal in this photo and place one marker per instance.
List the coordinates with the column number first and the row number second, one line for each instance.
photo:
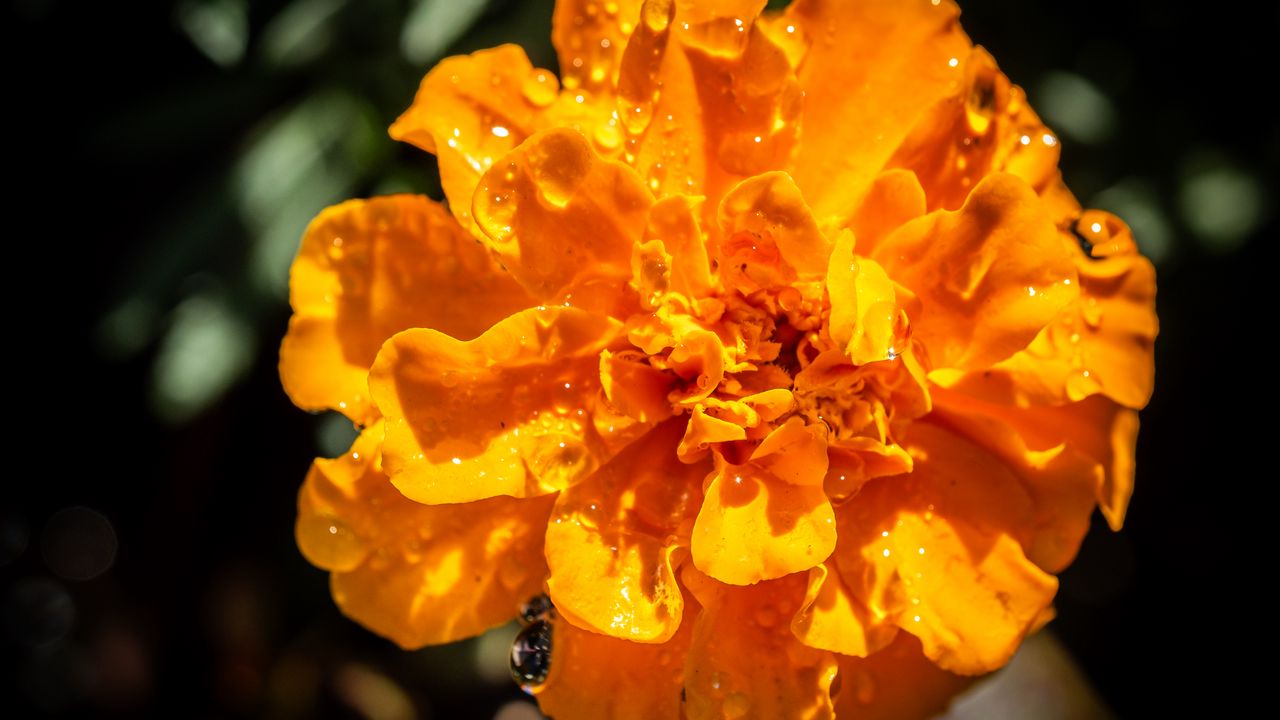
column 705, row 430
column 937, row 553
column 417, row 574
column 504, row 414
column 871, row 69
column 610, row 540
column 597, row 677
column 470, row 111
column 863, row 305
column 988, row 276
column 560, row 217
column 368, row 269
column 754, row 527
column 897, row 683
column 771, row 205
column 745, row 662
column 831, row 618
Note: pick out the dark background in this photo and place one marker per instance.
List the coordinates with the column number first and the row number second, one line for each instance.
column 168, row 157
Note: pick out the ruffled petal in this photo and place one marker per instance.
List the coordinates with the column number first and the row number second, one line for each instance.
column 705, row 97
column 754, row 527
column 504, row 414
column 984, row 127
column 611, row 539
column 864, row 310
column 560, row 217
column 771, row 205
column 1104, row 342
column 988, row 276
column 597, row 677
column 794, row 452
column 938, row 553
column 897, row 683
column 1099, row 430
column 368, row 269
column 871, row 69
column 473, row 109
column 674, row 220
column 831, row 618
column 894, row 198
column 417, row 574
column 745, row 662
column 589, row 38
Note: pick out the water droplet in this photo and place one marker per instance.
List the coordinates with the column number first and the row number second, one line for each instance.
column 538, row 607
column 736, row 705
column 329, row 543
column 531, row 654
column 540, row 88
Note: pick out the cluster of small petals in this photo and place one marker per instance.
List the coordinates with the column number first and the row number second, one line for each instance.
column 769, row 345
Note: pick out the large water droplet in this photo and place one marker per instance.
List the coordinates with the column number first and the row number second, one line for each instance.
column 330, row 543
column 531, row 655
column 536, row 608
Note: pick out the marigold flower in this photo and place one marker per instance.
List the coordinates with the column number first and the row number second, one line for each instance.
column 770, row 346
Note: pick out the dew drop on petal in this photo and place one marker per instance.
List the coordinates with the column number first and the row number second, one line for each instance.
column 531, row 654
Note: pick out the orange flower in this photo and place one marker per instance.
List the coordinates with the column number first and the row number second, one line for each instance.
column 770, row 346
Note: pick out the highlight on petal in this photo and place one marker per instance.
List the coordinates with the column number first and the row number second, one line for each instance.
column 417, row 574
column 595, row 677
column 988, row 276
column 504, row 414
column 753, row 527
column 368, row 269
column 745, row 662
column 472, row 110
column 871, row 69
column 559, row 216
column 611, row 539
column 937, row 552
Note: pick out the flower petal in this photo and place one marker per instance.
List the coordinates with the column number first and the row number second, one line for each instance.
column 1102, row 343
column 897, row 683
column 988, row 276
column 597, row 677
column 744, row 660
column 894, row 198
column 589, row 38
column 755, row 527
column 504, row 414
column 368, row 269
column 417, row 574
column 794, row 452
column 871, row 69
column 937, row 552
column 674, row 220
column 864, row 310
column 831, row 618
column 1097, row 428
column 771, row 205
column 471, row 110
column 986, row 126
column 636, row 388
column 560, row 217
column 611, row 537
